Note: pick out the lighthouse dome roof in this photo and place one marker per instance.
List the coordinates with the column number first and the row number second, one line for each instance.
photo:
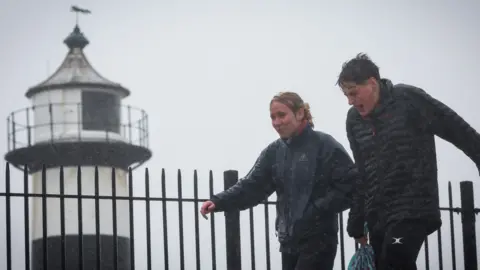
column 76, row 71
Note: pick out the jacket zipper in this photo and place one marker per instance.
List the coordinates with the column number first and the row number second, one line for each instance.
column 376, row 156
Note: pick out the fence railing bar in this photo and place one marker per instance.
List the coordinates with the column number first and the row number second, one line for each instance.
column 252, row 239
column 80, row 218
column 14, row 132
column 97, row 219
column 427, row 263
column 19, row 127
column 103, row 197
column 180, row 221
column 129, row 116
column 8, row 220
column 147, row 220
column 342, row 243
column 79, row 120
column 470, row 256
column 140, row 198
column 232, row 227
column 267, row 237
column 140, row 131
column 8, row 135
column 26, row 211
column 457, row 210
column 452, row 231
column 114, row 220
column 440, row 252
column 147, row 137
column 171, row 199
column 164, row 217
column 212, row 223
column 132, row 223
column 44, row 218
column 29, row 134
column 50, row 113
column 62, row 220
column 197, row 225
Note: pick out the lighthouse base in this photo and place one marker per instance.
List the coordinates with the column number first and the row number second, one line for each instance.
column 72, row 255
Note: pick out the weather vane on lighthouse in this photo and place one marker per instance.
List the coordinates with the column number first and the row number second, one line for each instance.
column 78, row 10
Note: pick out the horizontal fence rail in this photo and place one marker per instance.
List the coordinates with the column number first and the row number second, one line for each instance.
column 92, row 219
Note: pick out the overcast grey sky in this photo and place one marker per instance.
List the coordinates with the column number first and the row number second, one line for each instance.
column 205, row 72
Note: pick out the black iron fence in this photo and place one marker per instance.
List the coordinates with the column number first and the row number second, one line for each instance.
column 229, row 241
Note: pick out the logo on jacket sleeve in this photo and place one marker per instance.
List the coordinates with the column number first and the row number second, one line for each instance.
column 303, row 158
column 397, row 240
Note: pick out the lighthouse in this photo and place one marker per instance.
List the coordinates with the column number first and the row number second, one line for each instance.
column 77, row 120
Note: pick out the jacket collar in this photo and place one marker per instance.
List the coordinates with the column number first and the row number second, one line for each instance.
column 385, row 98
column 299, row 137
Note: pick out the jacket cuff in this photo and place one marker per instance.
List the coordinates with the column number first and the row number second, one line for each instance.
column 218, row 204
column 356, row 230
column 356, row 234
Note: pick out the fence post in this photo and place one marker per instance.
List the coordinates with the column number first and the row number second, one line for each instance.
column 468, row 225
column 232, row 227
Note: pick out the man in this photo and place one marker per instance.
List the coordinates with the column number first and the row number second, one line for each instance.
column 391, row 131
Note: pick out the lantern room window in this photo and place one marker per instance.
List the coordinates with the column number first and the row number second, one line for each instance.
column 100, row 111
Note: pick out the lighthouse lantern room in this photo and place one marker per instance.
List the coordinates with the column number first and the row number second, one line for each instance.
column 77, row 120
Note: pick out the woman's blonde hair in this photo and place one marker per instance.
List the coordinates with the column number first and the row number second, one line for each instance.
column 294, row 102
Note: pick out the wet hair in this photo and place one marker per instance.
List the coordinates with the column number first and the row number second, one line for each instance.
column 358, row 70
column 294, row 102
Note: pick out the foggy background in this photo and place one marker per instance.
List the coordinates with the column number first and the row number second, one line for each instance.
column 205, row 72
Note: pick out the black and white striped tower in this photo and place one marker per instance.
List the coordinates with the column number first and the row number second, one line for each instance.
column 77, row 120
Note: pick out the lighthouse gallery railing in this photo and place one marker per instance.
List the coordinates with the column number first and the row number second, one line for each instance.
column 65, row 121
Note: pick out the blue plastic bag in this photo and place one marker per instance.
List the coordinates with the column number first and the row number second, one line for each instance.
column 364, row 258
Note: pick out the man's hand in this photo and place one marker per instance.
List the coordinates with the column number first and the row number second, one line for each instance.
column 362, row 240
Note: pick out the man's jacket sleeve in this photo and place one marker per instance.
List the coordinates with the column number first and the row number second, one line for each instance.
column 341, row 172
column 356, row 216
column 444, row 122
column 249, row 191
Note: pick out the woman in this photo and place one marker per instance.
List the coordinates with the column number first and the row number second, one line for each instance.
column 312, row 175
